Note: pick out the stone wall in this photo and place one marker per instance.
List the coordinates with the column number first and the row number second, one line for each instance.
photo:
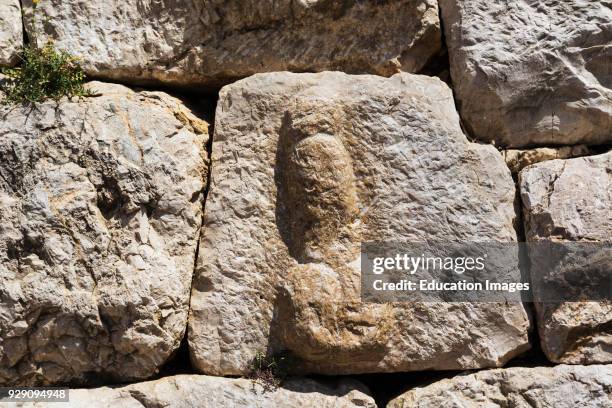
column 156, row 248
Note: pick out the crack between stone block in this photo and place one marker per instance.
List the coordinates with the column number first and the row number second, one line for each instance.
column 26, row 37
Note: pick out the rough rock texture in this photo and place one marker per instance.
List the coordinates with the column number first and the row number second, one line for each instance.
column 532, row 72
column 215, row 42
column 11, row 31
column 571, row 200
column 560, row 387
column 305, row 168
column 188, row 391
column 100, row 210
column 519, row 159
column 554, row 210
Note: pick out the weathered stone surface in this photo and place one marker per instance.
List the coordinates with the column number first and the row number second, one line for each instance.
column 100, row 209
column 188, row 391
column 571, row 200
column 560, row 387
column 215, row 42
column 554, row 210
column 532, row 72
column 518, row 159
column 305, row 168
column 11, row 31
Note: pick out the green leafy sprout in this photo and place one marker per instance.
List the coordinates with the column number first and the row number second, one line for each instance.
column 44, row 73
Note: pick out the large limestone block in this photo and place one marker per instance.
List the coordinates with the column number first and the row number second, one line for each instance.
column 100, row 212
column 554, row 210
column 532, row 72
column 571, row 200
column 560, row 387
column 216, row 42
column 11, row 32
column 305, row 168
column 189, row 391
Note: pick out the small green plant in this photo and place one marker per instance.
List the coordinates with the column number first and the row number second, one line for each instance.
column 269, row 371
column 44, row 73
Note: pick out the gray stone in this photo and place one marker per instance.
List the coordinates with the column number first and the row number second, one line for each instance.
column 571, row 200
column 305, row 168
column 11, row 32
column 215, row 42
column 560, row 387
column 100, row 212
column 532, row 72
column 188, row 391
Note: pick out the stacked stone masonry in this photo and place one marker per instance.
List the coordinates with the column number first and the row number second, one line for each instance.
column 131, row 239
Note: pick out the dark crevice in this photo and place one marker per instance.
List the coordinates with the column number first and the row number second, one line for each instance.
column 602, row 148
column 109, row 198
column 519, row 220
column 203, row 108
column 439, row 64
column 26, row 37
column 180, row 360
column 209, row 91
column 599, row 149
column 26, row 247
column 387, row 386
column 535, row 356
column 178, row 363
column 440, row 67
